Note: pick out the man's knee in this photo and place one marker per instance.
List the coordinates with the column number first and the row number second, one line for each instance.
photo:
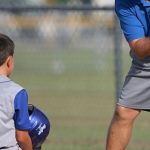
column 125, row 114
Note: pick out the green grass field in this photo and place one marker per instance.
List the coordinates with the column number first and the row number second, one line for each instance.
column 75, row 88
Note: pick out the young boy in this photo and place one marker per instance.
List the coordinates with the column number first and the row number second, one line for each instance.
column 14, row 117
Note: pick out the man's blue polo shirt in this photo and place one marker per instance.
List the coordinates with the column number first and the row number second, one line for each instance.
column 134, row 16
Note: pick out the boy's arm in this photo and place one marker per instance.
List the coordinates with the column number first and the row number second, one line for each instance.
column 24, row 140
column 21, row 120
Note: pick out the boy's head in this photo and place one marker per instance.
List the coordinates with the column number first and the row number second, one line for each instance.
column 6, row 55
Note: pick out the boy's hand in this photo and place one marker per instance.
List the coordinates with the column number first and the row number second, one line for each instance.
column 24, row 140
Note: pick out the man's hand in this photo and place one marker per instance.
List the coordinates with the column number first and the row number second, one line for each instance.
column 141, row 47
column 24, row 140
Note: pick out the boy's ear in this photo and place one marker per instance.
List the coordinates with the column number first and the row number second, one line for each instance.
column 9, row 61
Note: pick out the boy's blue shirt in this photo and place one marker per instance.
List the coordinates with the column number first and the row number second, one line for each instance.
column 134, row 16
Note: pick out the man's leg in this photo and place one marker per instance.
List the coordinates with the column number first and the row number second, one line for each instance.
column 120, row 128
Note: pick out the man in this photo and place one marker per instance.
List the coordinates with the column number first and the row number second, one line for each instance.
column 14, row 117
column 134, row 16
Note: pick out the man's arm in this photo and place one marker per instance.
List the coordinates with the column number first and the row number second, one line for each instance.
column 141, row 47
column 24, row 140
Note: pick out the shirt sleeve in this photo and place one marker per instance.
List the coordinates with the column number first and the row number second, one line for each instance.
column 21, row 117
column 130, row 24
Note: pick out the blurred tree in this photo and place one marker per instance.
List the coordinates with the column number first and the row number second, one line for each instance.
column 51, row 1
column 86, row 1
column 10, row 2
column 58, row 1
column 22, row 2
column 70, row 1
column 62, row 1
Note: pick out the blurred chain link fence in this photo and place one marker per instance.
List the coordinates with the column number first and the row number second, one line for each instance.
column 52, row 23
column 68, row 58
column 62, row 28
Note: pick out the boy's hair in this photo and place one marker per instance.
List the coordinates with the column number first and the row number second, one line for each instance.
column 6, row 48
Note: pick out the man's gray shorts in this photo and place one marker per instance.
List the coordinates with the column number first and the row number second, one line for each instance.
column 136, row 90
